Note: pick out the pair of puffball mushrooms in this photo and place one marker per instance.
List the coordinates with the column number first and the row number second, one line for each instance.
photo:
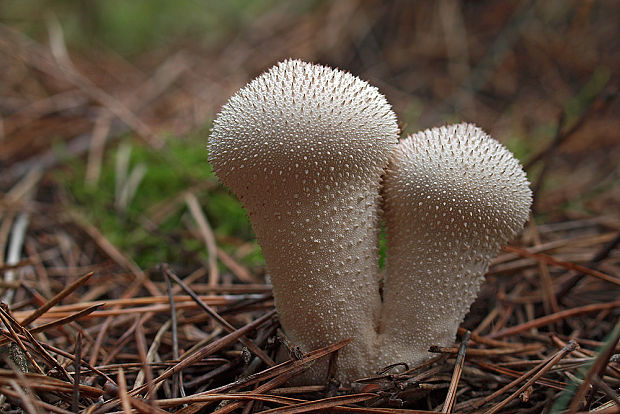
column 313, row 154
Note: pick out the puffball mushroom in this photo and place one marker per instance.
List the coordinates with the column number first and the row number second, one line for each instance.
column 452, row 196
column 303, row 147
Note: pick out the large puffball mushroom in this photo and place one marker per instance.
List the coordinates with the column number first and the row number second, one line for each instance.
column 452, row 196
column 303, row 147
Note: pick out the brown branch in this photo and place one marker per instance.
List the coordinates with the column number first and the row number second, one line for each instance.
column 456, row 375
column 56, row 299
column 223, row 322
column 567, row 265
column 597, row 369
column 549, row 319
column 536, row 373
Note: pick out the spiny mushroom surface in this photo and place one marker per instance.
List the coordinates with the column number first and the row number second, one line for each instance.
column 452, row 196
column 303, row 147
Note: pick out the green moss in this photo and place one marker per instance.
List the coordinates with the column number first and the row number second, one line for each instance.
column 169, row 172
column 131, row 27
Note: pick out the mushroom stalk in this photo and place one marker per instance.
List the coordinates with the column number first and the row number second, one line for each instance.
column 304, row 147
column 452, row 197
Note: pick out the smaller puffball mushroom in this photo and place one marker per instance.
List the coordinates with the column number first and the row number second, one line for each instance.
column 303, row 147
column 452, row 196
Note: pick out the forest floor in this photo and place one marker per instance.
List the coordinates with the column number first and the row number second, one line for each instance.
column 131, row 278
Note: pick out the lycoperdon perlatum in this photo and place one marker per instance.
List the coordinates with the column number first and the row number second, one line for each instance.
column 305, row 148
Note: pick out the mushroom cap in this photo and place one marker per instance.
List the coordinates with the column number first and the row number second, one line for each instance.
column 465, row 186
column 304, row 119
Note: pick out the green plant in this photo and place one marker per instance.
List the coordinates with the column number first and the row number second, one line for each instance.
column 159, row 176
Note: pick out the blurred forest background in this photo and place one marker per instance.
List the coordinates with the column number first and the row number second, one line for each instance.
column 81, row 78
column 87, row 83
column 105, row 110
